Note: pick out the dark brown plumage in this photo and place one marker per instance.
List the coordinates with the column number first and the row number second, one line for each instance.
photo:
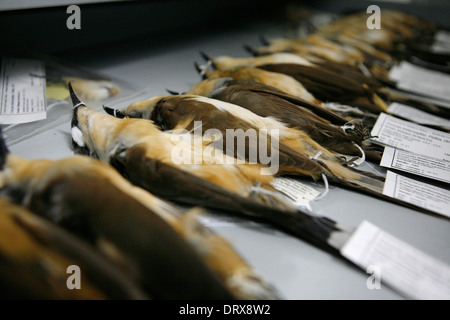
column 35, row 255
column 296, row 149
column 328, row 86
column 91, row 200
column 143, row 154
column 319, row 123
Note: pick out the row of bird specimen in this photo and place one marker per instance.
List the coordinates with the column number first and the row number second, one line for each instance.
column 127, row 243
column 311, row 104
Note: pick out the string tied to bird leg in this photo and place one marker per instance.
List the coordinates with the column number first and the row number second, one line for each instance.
column 357, row 161
column 204, row 68
column 348, row 126
column 324, row 178
column 342, row 108
column 83, row 104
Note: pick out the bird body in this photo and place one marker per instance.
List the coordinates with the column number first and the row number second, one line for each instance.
column 295, row 147
column 35, row 256
column 277, row 80
column 191, row 153
column 296, row 150
column 230, row 188
column 141, row 233
column 74, row 194
column 323, row 83
column 267, row 101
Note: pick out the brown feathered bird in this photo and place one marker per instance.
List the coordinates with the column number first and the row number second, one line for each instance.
column 296, row 152
column 323, row 126
column 358, row 96
column 322, row 82
column 167, row 253
column 35, row 255
column 150, row 158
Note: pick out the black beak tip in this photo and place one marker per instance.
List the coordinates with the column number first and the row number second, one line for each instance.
column 108, row 110
column 114, row 112
column 172, row 92
column 197, row 67
column 199, row 70
column 250, row 50
column 205, row 56
column 75, row 101
column 3, row 149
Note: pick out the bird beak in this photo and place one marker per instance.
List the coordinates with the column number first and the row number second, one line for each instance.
column 78, row 143
column 250, row 50
column 200, row 71
column 174, row 93
column 3, row 150
column 75, row 101
column 114, row 112
column 208, row 60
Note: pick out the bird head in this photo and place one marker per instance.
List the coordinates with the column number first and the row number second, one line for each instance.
column 90, row 130
column 101, row 135
column 78, row 141
column 207, row 87
column 139, row 109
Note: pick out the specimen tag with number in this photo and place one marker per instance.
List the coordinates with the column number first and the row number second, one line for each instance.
column 294, row 189
column 418, row 193
column 418, row 116
column 22, row 91
column 414, row 163
column 405, row 135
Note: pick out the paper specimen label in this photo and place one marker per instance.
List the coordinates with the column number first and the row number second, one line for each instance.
column 405, row 135
column 418, row 164
column 442, row 36
column 417, row 115
column 418, row 193
column 22, row 91
column 441, row 42
column 402, row 267
column 421, row 80
column 294, row 189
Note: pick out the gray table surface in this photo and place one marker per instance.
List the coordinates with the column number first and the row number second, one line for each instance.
column 297, row 269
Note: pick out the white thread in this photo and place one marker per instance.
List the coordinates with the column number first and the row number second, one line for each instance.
column 78, row 104
column 363, row 156
column 347, row 126
column 305, row 206
column 325, row 181
column 205, row 67
column 342, row 108
column 318, row 154
column 375, row 170
column 324, row 178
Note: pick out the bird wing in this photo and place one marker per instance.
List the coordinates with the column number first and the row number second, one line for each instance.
column 37, row 253
column 174, row 184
